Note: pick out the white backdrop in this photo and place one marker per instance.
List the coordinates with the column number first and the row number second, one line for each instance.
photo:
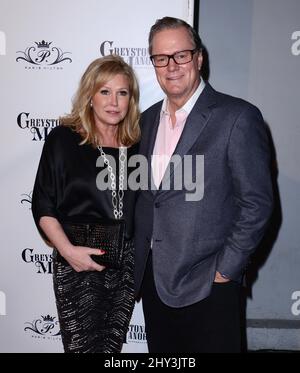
column 44, row 49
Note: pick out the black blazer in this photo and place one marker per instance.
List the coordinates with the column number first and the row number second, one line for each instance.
column 192, row 239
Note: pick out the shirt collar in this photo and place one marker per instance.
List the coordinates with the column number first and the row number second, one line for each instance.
column 188, row 106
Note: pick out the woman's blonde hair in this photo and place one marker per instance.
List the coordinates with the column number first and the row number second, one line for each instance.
column 81, row 118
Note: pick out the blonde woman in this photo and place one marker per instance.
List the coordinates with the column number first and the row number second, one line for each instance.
column 94, row 301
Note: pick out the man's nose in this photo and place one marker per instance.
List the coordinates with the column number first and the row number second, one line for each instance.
column 172, row 64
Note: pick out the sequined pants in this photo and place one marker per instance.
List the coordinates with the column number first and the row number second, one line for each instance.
column 94, row 308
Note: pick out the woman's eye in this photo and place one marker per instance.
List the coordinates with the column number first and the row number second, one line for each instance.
column 104, row 92
column 123, row 93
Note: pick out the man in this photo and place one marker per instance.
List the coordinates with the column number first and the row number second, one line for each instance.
column 192, row 250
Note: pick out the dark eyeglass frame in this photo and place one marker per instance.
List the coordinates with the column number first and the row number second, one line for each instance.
column 193, row 51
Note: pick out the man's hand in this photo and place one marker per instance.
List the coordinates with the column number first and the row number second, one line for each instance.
column 220, row 278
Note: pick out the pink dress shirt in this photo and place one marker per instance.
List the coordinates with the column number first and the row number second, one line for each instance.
column 168, row 135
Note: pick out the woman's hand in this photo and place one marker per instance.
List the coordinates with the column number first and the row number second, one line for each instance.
column 79, row 258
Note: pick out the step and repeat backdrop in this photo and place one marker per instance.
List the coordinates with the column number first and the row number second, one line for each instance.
column 44, row 49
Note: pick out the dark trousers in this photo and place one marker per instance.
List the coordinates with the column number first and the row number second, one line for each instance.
column 211, row 325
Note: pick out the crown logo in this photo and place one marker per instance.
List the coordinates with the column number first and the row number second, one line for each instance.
column 43, row 44
column 48, row 318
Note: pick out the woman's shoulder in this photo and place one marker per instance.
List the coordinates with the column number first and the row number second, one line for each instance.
column 62, row 135
column 133, row 149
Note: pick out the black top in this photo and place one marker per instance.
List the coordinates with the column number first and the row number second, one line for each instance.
column 65, row 185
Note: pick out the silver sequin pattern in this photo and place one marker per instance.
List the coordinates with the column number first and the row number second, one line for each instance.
column 94, row 308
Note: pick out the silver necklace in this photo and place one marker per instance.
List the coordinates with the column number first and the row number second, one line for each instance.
column 116, row 197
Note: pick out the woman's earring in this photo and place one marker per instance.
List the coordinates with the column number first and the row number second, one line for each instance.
column 91, row 104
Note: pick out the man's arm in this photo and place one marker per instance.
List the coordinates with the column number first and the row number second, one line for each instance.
column 249, row 162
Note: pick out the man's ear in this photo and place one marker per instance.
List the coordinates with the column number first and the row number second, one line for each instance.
column 200, row 60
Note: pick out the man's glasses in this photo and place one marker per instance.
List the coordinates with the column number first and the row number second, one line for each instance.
column 182, row 57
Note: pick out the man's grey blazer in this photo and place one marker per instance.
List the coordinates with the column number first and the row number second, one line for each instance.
column 191, row 240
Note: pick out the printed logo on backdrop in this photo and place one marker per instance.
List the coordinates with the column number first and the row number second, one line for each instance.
column 134, row 56
column 45, row 327
column 2, row 43
column 2, row 303
column 26, row 199
column 136, row 334
column 296, row 45
column 43, row 56
column 37, row 128
column 296, row 305
column 41, row 263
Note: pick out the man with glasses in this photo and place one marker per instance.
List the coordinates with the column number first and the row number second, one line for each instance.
column 191, row 254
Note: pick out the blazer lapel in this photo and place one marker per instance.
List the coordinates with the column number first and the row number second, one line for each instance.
column 150, row 138
column 195, row 124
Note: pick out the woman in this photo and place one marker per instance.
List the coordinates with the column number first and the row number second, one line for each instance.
column 94, row 301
